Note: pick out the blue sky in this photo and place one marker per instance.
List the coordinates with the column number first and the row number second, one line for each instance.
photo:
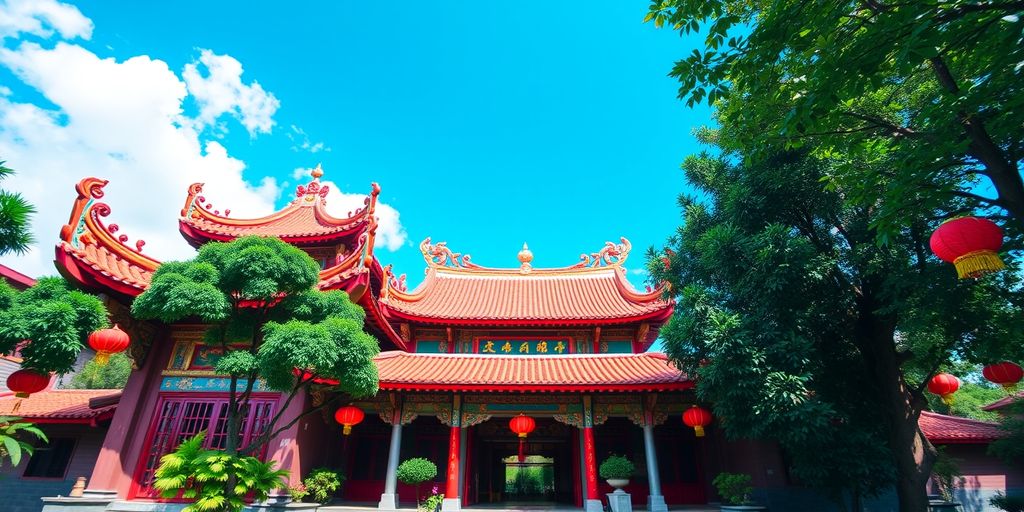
column 486, row 125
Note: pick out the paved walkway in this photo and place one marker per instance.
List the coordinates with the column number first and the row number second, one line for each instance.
column 506, row 507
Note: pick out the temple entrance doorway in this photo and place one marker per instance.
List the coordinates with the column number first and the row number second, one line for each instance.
column 548, row 475
column 532, row 480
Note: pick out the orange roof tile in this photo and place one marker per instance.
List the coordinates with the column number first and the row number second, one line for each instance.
column 63, row 405
column 457, row 291
column 942, row 429
column 590, row 372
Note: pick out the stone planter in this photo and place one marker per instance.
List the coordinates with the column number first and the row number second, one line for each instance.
column 743, row 508
column 618, row 483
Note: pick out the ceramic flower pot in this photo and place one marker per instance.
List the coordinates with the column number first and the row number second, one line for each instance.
column 618, row 483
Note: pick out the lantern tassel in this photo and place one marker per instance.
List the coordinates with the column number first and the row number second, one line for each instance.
column 522, row 451
column 1009, row 387
column 948, row 399
column 346, row 430
column 17, row 405
column 699, row 430
column 102, row 358
column 977, row 263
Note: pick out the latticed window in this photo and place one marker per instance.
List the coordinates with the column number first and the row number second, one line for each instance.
column 179, row 418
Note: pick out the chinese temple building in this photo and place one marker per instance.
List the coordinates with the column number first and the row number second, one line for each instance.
column 463, row 353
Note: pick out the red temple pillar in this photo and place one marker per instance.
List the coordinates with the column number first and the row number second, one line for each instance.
column 593, row 501
column 451, row 493
column 452, row 489
column 590, row 459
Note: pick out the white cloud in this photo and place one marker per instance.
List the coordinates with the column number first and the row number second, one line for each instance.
column 42, row 18
column 221, row 91
column 300, row 141
column 121, row 121
column 391, row 234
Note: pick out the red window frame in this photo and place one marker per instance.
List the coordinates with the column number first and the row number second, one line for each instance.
column 182, row 415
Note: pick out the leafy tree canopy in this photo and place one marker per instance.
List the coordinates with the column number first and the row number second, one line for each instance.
column 802, row 329
column 259, row 299
column 936, row 83
column 48, row 323
column 261, row 291
column 15, row 212
column 113, row 375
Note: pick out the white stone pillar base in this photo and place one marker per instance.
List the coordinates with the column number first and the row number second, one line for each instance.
column 388, row 502
column 451, row 505
column 620, row 501
column 656, row 504
column 593, row 506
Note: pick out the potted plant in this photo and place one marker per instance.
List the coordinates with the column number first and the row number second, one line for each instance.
column 298, row 492
column 321, row 484
column 432, row 503
column 616, row 470
column 734, row 489
column 416, row 471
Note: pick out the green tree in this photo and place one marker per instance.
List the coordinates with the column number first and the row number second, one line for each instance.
column 415, row 471
column 54, row 319
column 113, row 375
column 1010, row 447
column 259, row 298
column 15, row 212
column 801, row 329
column 12, row 446
column 938, row 83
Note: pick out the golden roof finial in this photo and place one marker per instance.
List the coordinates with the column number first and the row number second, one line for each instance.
column 525, row 257
column 317, row 172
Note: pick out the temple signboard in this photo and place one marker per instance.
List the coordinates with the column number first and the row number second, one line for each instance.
column 523, row 346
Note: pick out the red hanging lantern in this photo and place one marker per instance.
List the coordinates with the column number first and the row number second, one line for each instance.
column 108, row 341
column 697, row 418
column 944, row 385
column 1006, row 374
column 24, row 382
column 522, row 426
column 348, row 416
column 971, row 244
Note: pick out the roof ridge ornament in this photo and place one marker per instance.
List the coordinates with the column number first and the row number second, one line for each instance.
column 525, row 257
column 440, row 256
column 307, row 194
column 611, row 254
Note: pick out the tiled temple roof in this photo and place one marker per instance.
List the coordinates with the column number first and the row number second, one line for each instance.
column 942, row 429
column 473, row 372
column 594, row 291
column 93, row 253
column 304, row 221
column 63, row 405
column 1004, row 401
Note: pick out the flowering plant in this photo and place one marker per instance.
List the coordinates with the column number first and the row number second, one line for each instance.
column 298, row 491
column 433, row 501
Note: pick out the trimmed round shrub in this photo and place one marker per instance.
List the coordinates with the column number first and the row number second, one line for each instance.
column 416, row 471
column 616, row 466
